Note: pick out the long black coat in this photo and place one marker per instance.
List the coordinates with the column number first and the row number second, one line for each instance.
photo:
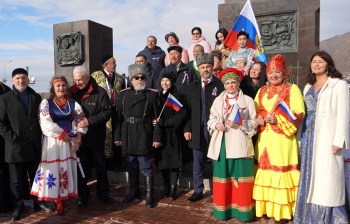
column 97, row 109
column 193, row 125
column 5, row 200
column 20, row 128
column 3, row 89
column 172, row 125
column 137, row 138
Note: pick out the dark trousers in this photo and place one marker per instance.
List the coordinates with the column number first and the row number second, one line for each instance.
column 17, row 170
column 144, row 163
column 96, row 156
column 5, row 196
column 199, row 158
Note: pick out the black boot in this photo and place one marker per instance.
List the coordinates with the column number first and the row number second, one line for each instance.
column 134, row 188
column 166, row 179
column 173, row 190
column 149, row 191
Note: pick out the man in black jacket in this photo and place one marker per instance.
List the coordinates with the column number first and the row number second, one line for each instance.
column 20, row 128
column 200, row 98
column 137, row 111
column 185, row 74
column 97, row 109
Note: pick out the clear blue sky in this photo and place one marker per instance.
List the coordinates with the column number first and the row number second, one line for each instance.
column 26, row 27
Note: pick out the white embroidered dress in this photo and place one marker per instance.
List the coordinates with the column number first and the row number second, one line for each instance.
column 56, row 177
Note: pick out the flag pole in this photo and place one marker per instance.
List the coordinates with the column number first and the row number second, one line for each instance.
column 161, row 111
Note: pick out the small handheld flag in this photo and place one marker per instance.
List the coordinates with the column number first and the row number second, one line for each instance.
column 172, row 102
column 236, row 115
column 285, row 111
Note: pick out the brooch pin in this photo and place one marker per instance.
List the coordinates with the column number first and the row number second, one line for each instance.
column 214, row 93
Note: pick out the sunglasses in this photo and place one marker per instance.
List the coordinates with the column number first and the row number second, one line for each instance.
column 195, row 33
column 140, row 78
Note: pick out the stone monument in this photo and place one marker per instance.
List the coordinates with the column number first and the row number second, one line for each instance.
column 287, row 27
column 80, row 43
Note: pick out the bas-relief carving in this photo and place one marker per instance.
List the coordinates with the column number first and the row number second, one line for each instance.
column 70, row 49
column 278, row 32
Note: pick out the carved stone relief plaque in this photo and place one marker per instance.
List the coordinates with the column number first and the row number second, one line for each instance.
column 279, row 32
column 70, row 49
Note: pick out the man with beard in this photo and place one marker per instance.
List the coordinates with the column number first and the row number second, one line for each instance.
column 96, row 106
column 138, row 109
column 113, row 83
column 200, row 98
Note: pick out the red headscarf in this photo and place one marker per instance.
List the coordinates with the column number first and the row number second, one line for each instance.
column 276, row 63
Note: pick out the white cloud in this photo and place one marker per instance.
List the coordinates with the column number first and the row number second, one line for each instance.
column 132, row 21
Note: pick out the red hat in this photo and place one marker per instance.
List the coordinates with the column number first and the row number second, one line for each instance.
column 231, row 73
column 276, row 63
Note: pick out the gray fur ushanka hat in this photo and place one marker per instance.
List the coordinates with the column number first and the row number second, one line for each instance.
column 135, row 69
column 205, row 58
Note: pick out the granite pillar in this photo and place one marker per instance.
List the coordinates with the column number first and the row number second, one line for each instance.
column 80, row 43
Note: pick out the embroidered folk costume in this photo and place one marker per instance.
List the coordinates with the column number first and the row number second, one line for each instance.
column 276, row 152
column 56, row 177
column 113, row 90
column 232, row 151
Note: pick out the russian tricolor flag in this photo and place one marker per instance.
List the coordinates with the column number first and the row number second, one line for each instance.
column 246, row 21
column 285, row 111
column 172, row 102
column 236, row 114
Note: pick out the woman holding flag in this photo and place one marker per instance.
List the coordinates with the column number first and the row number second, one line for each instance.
column 231, row 125
column 169, row 157
column 280, row 109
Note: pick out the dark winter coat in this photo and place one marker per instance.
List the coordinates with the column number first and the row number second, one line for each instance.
column 151, row 76
column 135, row 111
column 97, row 109
column 155, row 58
column 172, row 125
column 193, row 125
column 184, row 77
column 20, row 128
column 3, row 89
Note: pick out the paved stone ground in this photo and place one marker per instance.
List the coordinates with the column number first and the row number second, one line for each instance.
column 176, row 212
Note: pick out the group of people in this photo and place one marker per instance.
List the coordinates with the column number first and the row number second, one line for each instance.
column 275, row 151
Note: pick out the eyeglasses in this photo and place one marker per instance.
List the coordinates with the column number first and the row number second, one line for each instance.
column 140, row 78
column 195, row 33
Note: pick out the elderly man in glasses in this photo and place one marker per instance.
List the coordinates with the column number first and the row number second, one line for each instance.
column 137, row 111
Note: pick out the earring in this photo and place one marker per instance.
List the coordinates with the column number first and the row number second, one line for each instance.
column 327, row 71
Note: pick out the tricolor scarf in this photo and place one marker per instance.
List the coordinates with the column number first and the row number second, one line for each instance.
column 230, row 101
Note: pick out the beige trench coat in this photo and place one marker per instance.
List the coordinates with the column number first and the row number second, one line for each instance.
column 327, row 186
column 238, row 141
